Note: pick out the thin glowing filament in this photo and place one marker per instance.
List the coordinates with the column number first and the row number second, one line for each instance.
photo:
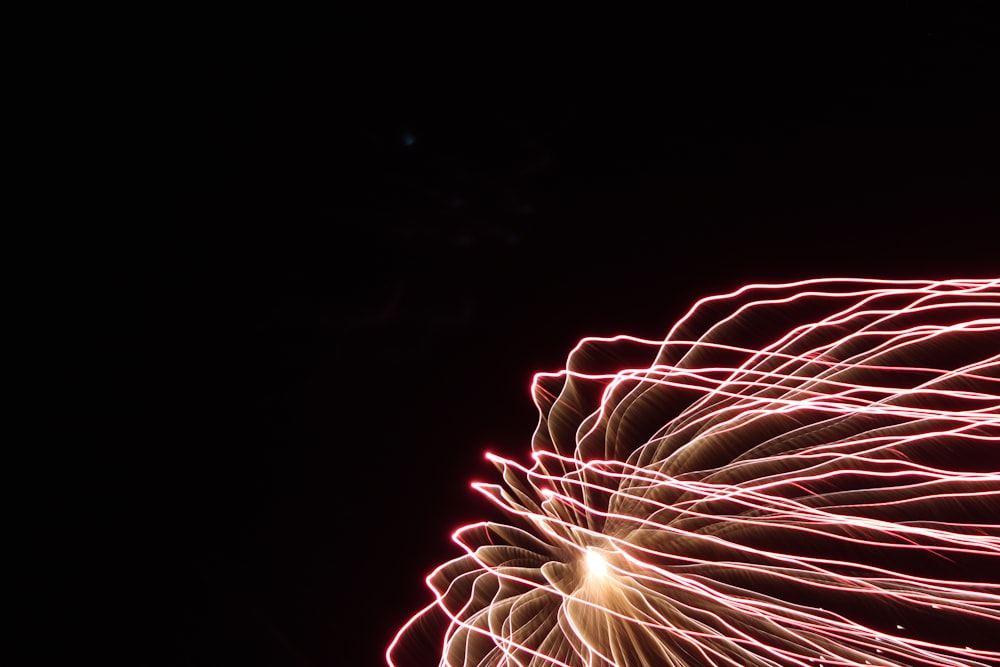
column 798, row 474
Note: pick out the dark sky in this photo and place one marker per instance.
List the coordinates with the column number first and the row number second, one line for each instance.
column 379, row 232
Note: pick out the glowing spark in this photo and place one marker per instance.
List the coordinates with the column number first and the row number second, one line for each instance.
column 596, row 564
column 797, row 474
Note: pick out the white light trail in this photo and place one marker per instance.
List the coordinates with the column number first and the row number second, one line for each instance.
column 797, row 474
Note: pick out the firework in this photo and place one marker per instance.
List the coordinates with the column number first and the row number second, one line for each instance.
column 797, row 474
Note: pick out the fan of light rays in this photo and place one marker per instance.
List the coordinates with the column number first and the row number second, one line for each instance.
column 797, row 474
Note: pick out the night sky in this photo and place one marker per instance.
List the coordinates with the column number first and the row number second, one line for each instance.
column 378, row 233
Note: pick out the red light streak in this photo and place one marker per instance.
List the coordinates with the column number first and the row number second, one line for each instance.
column 800, row 474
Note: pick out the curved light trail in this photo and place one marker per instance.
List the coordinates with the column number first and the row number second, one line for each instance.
column 798, row 474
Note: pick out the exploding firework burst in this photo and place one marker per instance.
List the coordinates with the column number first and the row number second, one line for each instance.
column 798, row 474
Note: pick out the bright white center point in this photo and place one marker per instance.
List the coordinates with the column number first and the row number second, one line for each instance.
column 596, row 564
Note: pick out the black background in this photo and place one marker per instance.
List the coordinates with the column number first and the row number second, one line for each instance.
column 380, row 229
